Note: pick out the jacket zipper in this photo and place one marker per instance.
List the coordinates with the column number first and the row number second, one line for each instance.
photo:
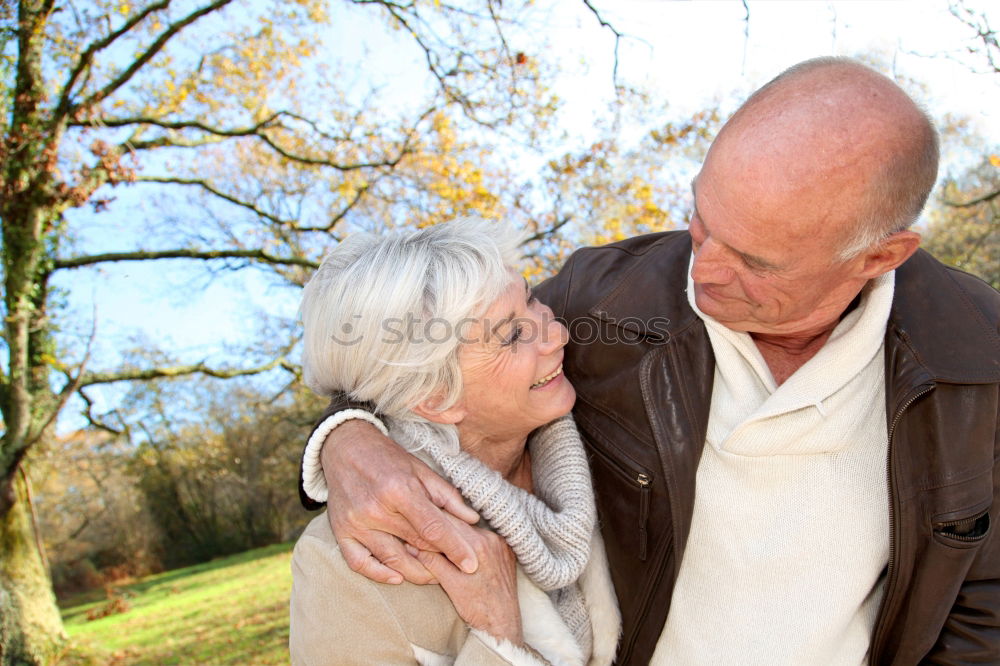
column 962, row 537
column 893, row 527
column 643, row 481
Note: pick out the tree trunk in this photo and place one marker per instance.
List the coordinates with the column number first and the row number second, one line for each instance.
column 31, row 629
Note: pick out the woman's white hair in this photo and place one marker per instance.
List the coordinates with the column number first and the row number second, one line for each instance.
column 383, row 314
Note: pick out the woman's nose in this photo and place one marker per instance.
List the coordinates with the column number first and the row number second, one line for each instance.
column 554, row 334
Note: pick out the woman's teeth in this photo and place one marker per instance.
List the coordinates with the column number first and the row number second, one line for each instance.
column 548, row 378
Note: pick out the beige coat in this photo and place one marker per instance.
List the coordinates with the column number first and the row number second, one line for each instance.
column 340, row 617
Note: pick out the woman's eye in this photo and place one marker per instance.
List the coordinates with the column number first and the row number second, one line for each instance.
column 514, row 336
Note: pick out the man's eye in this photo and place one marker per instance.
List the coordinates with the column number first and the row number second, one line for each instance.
column 755, row 266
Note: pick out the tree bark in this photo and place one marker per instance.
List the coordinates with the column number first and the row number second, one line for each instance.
column 31, row 629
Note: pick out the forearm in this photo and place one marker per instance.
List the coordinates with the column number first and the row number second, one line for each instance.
column 354, row 422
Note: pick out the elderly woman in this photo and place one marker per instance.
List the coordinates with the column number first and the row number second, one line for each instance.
column 436, row 330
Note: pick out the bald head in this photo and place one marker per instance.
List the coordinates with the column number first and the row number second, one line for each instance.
column 837, row 135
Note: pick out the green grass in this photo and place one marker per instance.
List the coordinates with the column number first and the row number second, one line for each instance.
column 229, row 611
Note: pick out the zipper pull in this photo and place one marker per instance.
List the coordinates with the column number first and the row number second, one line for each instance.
column 643, row 481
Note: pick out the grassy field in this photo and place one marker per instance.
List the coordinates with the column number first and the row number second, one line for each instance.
column 229, row 611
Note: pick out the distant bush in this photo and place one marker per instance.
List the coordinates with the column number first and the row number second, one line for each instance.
column 216, row 480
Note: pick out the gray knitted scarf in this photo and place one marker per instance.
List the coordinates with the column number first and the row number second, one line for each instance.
column 549, row 531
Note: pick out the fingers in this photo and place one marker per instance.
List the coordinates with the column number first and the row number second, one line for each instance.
column 446, row 496
column 437, row 565
column 359, row 559
column 387, row 562
column 436, row 530
column 392, row 553
column 377, row 488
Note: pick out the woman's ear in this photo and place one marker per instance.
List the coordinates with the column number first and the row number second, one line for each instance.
column 449, row 416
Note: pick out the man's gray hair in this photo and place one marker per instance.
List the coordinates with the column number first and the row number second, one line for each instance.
column 383, row 314
column 897, row 194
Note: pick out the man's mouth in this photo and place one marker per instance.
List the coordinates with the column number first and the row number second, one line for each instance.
column 548, row 378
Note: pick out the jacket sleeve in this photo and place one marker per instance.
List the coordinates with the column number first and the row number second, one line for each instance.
column 340, row 618
column 338, row 403
column 971, row 633
column 554, row 292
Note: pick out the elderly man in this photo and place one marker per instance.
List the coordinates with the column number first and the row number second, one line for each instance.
column 802, row 466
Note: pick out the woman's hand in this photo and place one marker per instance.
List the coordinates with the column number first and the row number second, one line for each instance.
column 486, row 599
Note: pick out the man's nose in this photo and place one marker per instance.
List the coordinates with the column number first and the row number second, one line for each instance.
column 711, row 264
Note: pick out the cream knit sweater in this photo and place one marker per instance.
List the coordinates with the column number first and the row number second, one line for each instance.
column 790, row 533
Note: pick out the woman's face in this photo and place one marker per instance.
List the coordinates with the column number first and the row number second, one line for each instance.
column 512, row 368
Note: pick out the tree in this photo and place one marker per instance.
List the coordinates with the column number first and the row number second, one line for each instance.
column 964, row 226
column 964, row 222
column 210, row 97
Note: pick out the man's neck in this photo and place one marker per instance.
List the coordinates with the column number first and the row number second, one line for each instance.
column 785, row 354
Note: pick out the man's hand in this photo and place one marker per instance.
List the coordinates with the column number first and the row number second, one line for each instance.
column 378, row 492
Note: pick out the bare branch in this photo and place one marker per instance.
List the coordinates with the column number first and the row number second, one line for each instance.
column 134, row 374
column 132, row 145
column 746, row 35
column 71, row 387
column 503, row 40
column 974, row 202
column 315, row 161
column 987, row 35
column 87, row 57
column 542, row 235
column 259, row 255
column 618, row 39
column 396, row 11
column 211, row 189
column 177, row 124
column 148, row 54
column 338, row 217
column 88, row 414
column 257, row 131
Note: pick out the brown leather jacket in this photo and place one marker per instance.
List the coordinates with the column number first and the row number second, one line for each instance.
column 642, row 365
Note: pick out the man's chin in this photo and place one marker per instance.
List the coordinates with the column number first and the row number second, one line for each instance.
column 711, row 305
column 724, row 313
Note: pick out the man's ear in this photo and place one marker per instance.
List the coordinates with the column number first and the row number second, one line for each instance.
column 890, row 253
column 450, row 416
